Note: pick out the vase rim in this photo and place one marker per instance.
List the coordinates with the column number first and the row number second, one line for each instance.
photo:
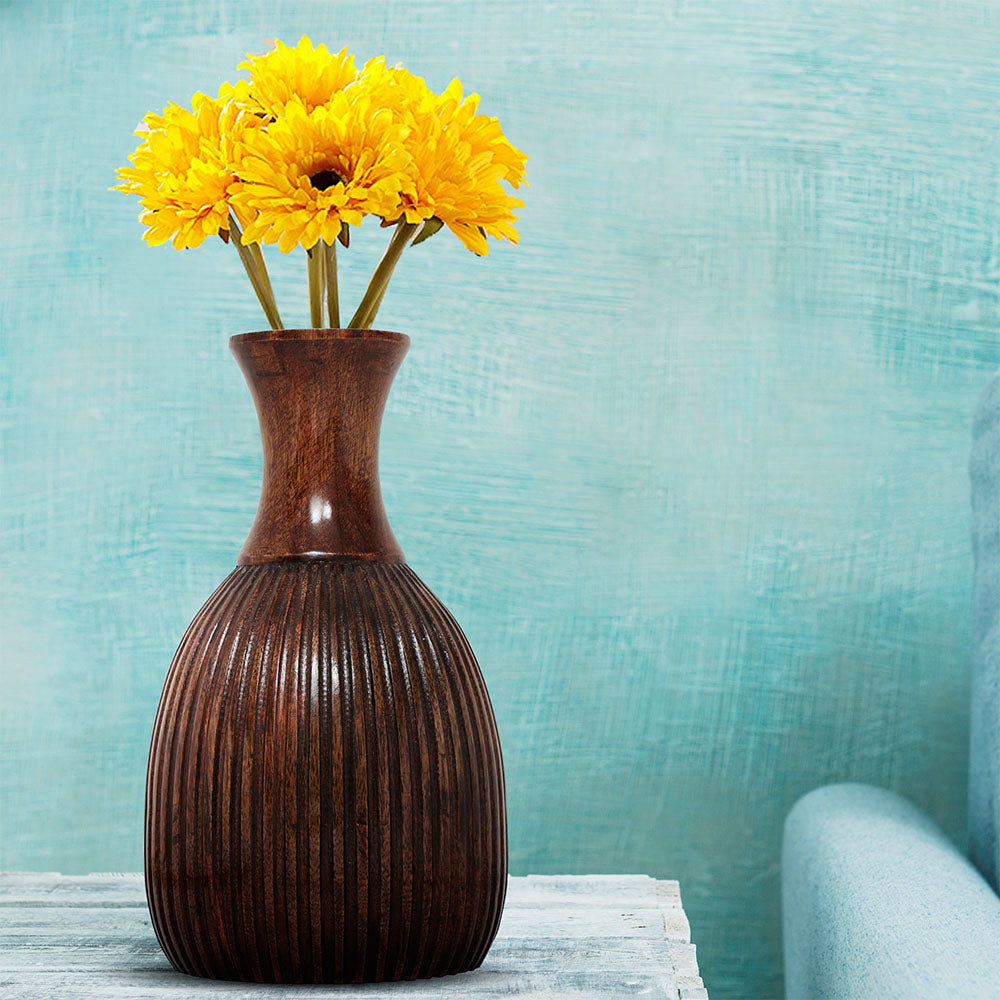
column 389, row 336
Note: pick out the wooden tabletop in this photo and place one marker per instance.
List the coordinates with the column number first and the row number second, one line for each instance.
column 89, row 936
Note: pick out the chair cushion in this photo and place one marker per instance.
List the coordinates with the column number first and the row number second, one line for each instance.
column 984, row 769
column 878, row 904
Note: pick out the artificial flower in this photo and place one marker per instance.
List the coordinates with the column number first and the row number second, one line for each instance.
column 482, row 132
column 458, row 158
column 307, row 148
column 310, row 171
column 182, row 170
column 306, row 74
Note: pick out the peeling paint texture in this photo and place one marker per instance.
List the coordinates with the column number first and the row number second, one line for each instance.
column 689, row 465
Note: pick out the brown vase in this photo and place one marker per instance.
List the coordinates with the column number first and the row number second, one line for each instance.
column 325, row 795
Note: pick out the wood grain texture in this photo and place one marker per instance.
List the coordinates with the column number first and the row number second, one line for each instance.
column 325, row 798
column 325, row 792
column 688, row 464
column 320, row 495
column 561, row 936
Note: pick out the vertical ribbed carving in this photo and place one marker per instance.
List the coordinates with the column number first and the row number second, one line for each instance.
column 325, row 800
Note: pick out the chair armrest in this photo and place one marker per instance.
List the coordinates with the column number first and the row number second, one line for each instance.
column 877, row 904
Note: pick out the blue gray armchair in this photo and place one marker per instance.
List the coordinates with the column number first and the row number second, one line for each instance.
column 877, row 902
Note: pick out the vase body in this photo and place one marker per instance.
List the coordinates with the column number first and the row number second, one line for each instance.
column 325, row 796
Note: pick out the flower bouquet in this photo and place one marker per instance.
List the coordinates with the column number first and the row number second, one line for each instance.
column 307, row 148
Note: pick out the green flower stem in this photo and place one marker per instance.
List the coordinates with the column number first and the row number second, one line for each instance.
column 253, row 264
column 377, row 303
column 315, row 259
column 332, row 293
column 365, row 315
column 258, row 256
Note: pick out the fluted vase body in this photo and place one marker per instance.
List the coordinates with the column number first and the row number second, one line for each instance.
column 325, row 796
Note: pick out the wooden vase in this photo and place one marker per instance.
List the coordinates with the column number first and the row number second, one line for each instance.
column 325, row 794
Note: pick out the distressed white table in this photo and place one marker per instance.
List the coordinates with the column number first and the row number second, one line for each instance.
column 89, row 936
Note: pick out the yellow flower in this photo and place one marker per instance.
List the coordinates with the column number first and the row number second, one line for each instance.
column 181, row 170
column 305, row 74
column 310, row 171
column 308, row 145
column 458, row 157
column 483, row 133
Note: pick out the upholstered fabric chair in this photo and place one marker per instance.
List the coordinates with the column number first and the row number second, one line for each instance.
column 877, row 902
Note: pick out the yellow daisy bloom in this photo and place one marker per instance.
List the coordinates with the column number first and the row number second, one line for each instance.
column 181, row 170
column 310, row 171
column 308, row 147
column 459, row 157
column 483, row 133
column 307, row 74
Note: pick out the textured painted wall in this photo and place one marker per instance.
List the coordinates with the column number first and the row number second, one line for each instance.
column 688, row 465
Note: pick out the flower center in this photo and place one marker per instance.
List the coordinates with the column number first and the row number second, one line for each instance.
column 325, row 179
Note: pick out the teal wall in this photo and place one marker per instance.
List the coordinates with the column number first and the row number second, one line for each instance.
column 688, row 465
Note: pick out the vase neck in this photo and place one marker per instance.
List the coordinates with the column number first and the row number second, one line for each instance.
column 320, row 396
